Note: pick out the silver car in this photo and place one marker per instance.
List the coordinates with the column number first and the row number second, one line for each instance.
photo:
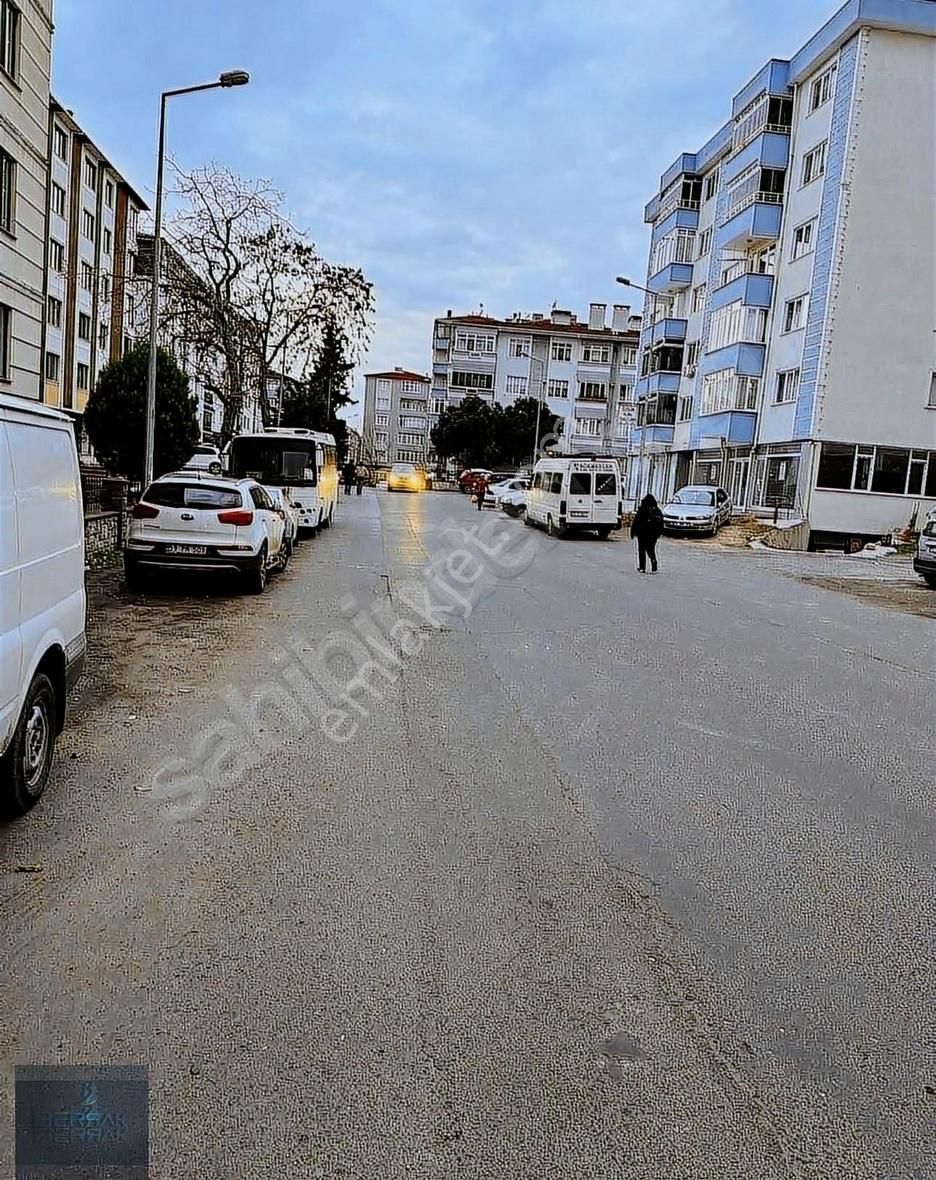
column 698, row 508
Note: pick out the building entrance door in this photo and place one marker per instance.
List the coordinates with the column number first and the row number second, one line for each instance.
column 738, row 482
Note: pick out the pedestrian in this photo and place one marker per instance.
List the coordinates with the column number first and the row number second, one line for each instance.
column 647, row 528
column 349, row 474
column 480, row 489
column 361, row 476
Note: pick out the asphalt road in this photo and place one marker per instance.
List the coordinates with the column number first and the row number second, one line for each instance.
column 528, row 866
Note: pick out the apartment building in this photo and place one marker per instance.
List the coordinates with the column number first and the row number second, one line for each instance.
column 93, row 215
column 398, row 415
column 585, row 371
column 25, row 63
column 789, row 351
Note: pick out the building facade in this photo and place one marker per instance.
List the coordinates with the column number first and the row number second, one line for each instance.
column 397, row 418
column 789, row 349
column 585, row 372
column 25, row 64
column 93, row 215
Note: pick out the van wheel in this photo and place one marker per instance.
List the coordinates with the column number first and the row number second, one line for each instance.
column 527, row 520
column 604, row 532
column 930, row 580
column 257, row 574
column 552, row 529
column 25, row 768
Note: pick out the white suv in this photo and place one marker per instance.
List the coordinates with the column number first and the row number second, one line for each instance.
column 198, row 522
column 206, row 458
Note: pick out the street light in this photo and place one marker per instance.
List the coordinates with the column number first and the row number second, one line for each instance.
column 225, row 81
column 539, row 401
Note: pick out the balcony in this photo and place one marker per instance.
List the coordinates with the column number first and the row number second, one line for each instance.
column 754, row 222
column 661, row 381
column 770, row 149
column 675, row 276
column 441, row 344
column 751, row 287
column 736, row 427
column 746, row 358
column 665, row 331
column 659, row 410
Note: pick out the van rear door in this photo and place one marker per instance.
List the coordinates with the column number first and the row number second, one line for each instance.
column 581, row 484
column 605, row 497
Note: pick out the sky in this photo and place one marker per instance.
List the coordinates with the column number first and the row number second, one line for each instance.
column 462, row 152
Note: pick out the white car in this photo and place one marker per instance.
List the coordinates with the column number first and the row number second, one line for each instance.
column 498, row 491
column 698, row 508
column 290, row 514
column 42, row 593
column 206, row 458
column 514, row 502
column 203, row 523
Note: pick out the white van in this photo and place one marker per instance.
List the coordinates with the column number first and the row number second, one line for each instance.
column 302, row 462
column 567, row 495
column 42, row 593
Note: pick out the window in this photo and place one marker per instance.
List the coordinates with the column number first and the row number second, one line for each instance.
column 7, row 191
column 59, row 141
column 127, row 344
column 787, row 386
column 108, row 242
column 698, row 296
column 383, row 388
column 518, row 346
column 410, row 440
column 473, row 342
column 84, row 326
column 87, row 276
column 83, row 376
column 56, row 255
column 803, row 240
column 57, row 199
column 90, row 173
column 678, row 246
column 52, row 361
column 9, row 37
column 629, row 354
column 103, row 332
column 6, row 332
column 736, row 322
column 932, row 391
column 593, row 391
column 821, row 90
column 559, row 388
column 814, row 163
column 705, row 241
column 711, row 184
column 472, row 380
column 626, row 393
column 516, row 386
column 383, row 403
column 381, row 441
column 381, row 419
column 590, row 427
column 889, row 471
column 105, row 286
column 605, row 483
column 685, row 409
column 413, row 424
column 596, row 354
column 580, row 483
column 727, row 390
column 411, row 387
column 55, row 312
column 408, row 456
column 88, row 225
column 692, row 357
column 438, row 405
column 109, row 194
column 561, row 350
column 794, row 314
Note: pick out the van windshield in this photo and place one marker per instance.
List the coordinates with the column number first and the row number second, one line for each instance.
column 279, row 461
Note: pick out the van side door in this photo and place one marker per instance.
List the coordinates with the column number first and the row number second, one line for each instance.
column 11, row 643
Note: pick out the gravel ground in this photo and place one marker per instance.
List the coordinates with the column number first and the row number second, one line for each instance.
column 595, row 889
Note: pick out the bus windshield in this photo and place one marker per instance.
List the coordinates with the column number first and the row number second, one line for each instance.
column 284, row 462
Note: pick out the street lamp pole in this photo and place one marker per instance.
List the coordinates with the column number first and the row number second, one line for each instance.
column 643, row 435
column 539, row 400
column 226, row 80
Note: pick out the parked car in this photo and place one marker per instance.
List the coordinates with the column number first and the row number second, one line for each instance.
column 469, row 477
column 42, row 593
column 206, row 458
column 497, row 491
column 405, row 477
column 193, row 522
column 514, row 503
column 289, row 511
column 697, row 508
column 925, row 560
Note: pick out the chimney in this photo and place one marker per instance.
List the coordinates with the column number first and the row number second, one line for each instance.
column 448, row 314
column 398, row 368
column 619, row 317
column 596, row 316
column 561, row 317
column 634, row 322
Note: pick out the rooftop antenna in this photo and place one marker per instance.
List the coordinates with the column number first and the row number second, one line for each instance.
column 481, row 306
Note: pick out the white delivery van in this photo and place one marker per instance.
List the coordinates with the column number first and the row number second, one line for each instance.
column 42, row 594
column 567, row 495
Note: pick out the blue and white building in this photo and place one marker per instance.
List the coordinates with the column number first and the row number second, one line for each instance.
column 789, row 341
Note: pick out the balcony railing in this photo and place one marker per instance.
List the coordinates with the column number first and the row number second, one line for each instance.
column 676, row 201
column 758, row 120
column 657, row 411
column 750, row 193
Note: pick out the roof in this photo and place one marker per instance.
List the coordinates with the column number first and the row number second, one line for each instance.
column 402, row 375
column 548, row 327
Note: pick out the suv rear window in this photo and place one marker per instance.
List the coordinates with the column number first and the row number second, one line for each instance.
column 184, row 495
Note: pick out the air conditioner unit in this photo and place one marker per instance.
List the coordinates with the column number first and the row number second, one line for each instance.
column 690, row 371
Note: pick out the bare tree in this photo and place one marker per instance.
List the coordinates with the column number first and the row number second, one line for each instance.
column 254, row 290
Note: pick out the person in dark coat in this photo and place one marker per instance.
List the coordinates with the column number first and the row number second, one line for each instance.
column 480, row 490
column 349, row 477
column 647, row 528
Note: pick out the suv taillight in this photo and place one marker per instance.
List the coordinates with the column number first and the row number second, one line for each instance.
column 236, row 516
column 143, row 512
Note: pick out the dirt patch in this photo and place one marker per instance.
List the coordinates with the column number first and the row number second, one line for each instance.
column 912, row 597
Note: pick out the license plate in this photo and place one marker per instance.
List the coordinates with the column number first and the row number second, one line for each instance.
column 186, row 550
